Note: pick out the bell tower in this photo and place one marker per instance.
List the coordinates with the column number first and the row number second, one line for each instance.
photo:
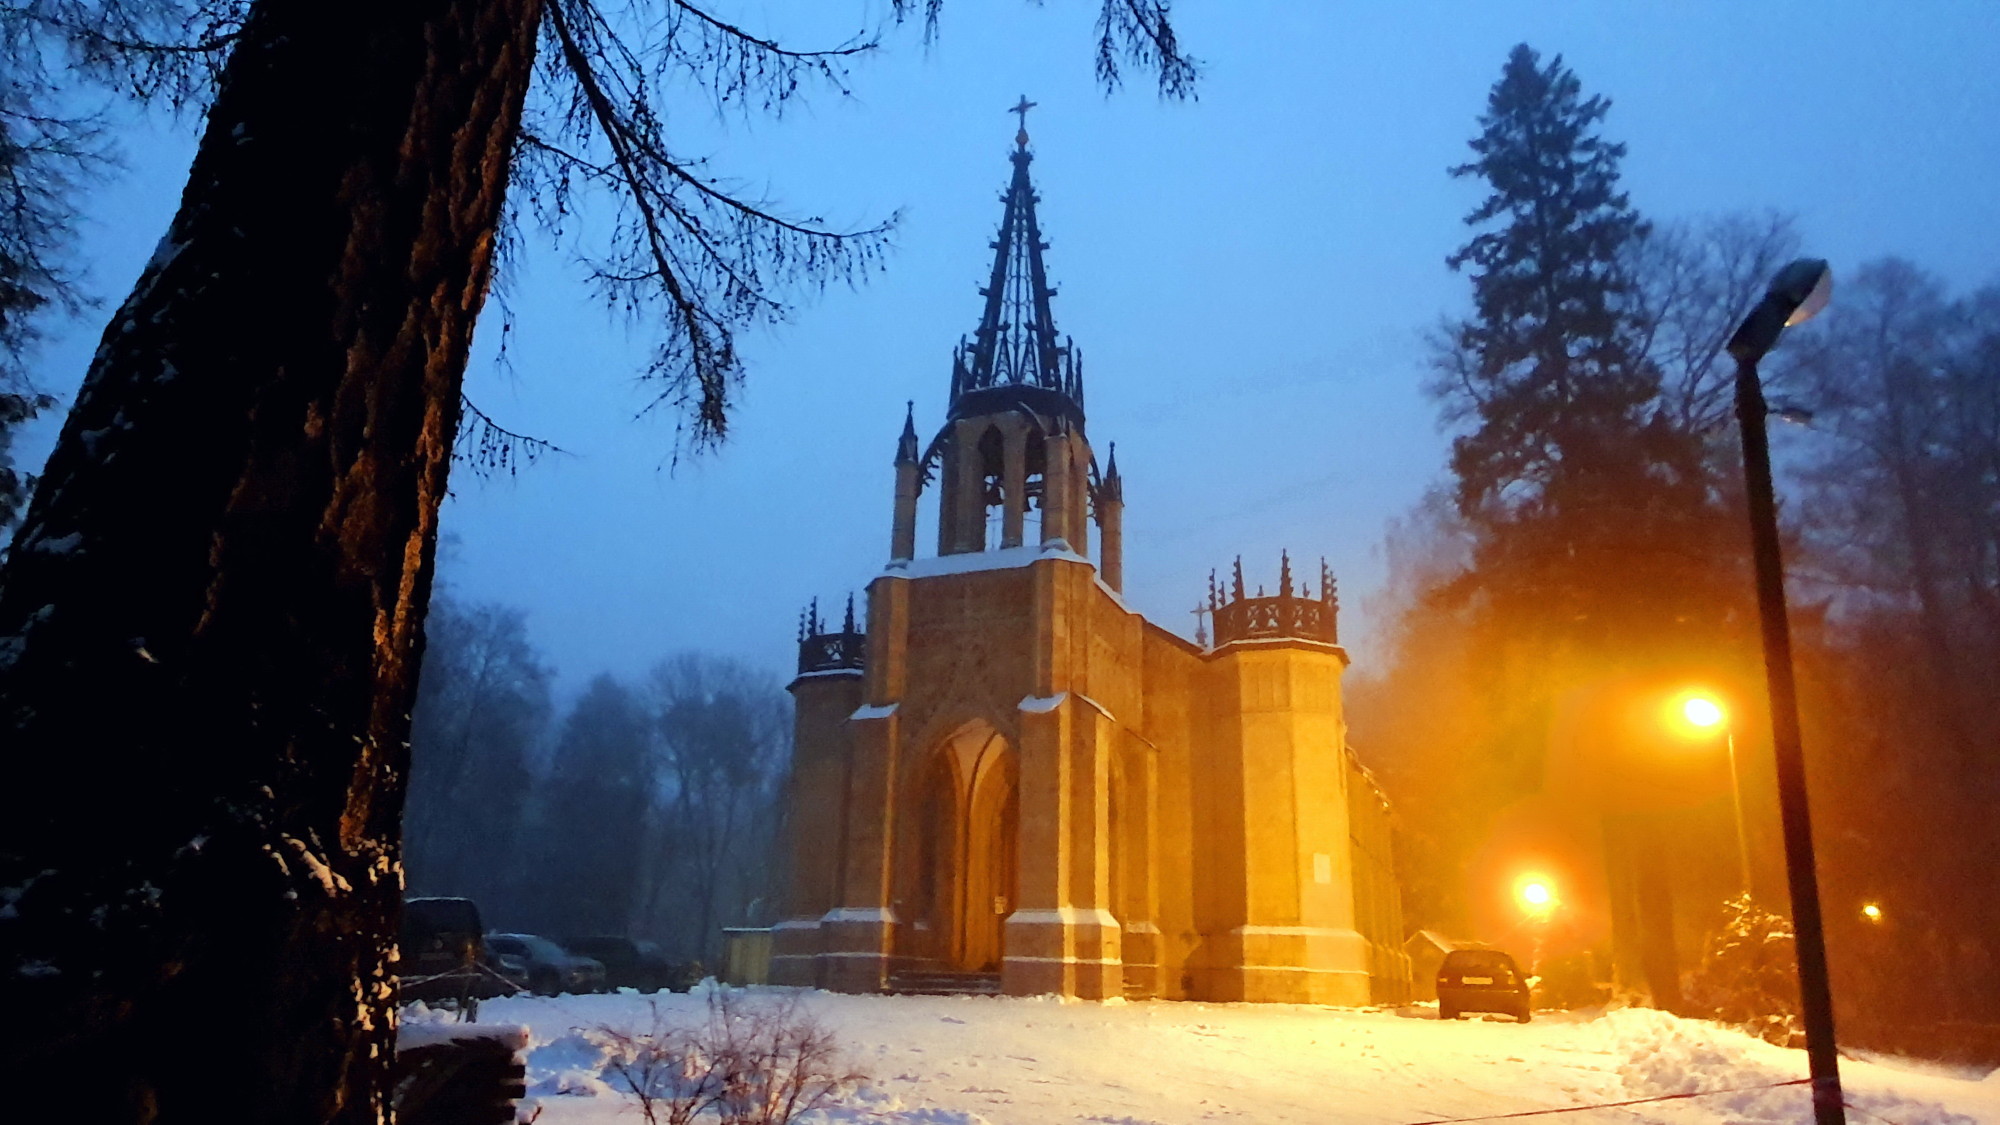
column 1012, row 463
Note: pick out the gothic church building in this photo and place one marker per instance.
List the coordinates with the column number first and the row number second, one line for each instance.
column 1012, row 779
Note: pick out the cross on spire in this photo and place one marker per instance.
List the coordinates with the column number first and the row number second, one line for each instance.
column 1021, row 109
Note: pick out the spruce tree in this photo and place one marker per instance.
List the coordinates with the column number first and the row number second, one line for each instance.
column 1568, row 472
column 1604, row 562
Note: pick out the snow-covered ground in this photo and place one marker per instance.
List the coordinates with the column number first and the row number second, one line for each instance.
column 967, row 1060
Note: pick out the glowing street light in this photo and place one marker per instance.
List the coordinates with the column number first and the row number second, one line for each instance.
column 1536, row 895
column 1800, row 290
column 1700, row 714
column 1871, row 912
column 1702, row 711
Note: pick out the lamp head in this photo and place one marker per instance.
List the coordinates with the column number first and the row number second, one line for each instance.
column 1806, row 285
column 1797, row 294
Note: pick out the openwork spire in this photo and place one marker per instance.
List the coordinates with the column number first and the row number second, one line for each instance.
column 1016, row 345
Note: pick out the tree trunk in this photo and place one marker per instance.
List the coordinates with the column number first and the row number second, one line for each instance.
column 211, row 624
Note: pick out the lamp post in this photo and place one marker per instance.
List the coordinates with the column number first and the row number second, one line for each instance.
column 1800, row 290
column 1537, row 897
column 1704, row 713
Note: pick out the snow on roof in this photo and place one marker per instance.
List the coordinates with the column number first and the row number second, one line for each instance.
column 419, row 1027
column 1003, row 558
column 829, row 672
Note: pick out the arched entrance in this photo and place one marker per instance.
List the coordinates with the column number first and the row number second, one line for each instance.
column 973, row 816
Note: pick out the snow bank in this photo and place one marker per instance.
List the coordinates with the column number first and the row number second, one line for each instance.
column 1668, row 1055
column 571, row 1065
column 955, row 1060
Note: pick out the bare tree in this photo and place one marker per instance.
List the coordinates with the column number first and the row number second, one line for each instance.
column 212, row 620
column 591, row 814
column 1692, row 280
column 1904, row 508
column 723, row 734
column 482, row 703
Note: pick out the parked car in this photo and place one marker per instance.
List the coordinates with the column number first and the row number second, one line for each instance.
column 440, row 955
column 627, row 963
column 1482, row 980
column 551, row 969
column 511, row 967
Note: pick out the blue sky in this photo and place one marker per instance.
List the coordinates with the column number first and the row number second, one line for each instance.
column 1248, row 275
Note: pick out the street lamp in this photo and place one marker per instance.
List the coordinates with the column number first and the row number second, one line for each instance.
column 1800, row 290
column 1537, row 897
column 1700, row 714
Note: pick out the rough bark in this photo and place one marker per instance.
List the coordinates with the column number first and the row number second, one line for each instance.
column 211, row 625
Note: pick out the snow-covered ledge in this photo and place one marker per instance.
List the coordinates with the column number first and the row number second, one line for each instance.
column 1003, row 558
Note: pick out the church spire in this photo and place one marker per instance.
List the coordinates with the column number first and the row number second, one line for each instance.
column 1015, row 345
column 906, row 445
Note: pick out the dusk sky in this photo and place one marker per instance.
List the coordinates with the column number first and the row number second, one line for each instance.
column 1248, row 275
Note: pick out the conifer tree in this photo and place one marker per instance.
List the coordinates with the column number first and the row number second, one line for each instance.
column 1568, row 472
column 1601, row 556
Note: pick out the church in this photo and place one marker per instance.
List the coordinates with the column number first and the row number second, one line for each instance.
column 1010, row 779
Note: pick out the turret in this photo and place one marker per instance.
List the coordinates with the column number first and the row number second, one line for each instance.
column 1111, row 525
column 1301, row 616
column 909, row 479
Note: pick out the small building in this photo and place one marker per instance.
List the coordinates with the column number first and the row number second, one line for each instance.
column 1009, row 772
column 1426, row 949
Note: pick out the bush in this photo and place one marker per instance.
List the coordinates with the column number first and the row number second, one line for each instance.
column 746, row 1063
column 1570, row 981
column 1749, row 975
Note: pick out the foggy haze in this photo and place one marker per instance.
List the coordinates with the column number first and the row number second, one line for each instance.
column 1248, row 277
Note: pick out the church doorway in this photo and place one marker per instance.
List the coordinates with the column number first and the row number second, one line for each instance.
column 972, row 861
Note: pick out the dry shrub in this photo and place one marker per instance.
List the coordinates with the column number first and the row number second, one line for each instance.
column 747, row 1062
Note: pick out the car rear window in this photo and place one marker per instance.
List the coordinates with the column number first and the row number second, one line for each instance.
column 1476, row 961
column 441, row 915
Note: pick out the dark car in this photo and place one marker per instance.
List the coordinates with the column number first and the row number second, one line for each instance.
column 551, row 969
column 440, row 957
column 509, row 967
column 1482, row 980
column 627, row 963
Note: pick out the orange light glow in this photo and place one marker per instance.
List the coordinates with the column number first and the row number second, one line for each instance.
column 1702, row 711
column 1537, row 894
column 1872, row 912
column 1696, row 714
